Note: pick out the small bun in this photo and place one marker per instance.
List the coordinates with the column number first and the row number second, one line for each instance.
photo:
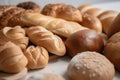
column 92, row 22
column 84, row 40
column 112, row 50
column 90, row 66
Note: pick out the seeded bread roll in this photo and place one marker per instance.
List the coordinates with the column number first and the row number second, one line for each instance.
column 90, row 66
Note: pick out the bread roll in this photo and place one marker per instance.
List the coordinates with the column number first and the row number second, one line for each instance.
column 12, row 59
column 37, row 57
column 115, row 27
column 106, row 18
column 64, row 11
column 112, row 50
column 16, row 35
column 42, row 37
column 84, row 40
column 92, row 22
column 88, row 9
column 90, row 66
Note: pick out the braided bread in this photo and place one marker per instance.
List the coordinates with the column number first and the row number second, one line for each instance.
column 42, row 37
column 64, row 11
column 12, row 59
column 15, row 35
column 37, row 57
column 106, row 17
column 55, row 25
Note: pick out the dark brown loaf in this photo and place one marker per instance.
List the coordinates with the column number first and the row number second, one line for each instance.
column 115, row 26
column 84, row 40
column 112, row 50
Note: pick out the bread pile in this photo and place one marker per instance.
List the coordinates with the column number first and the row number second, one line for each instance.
column 29, row 34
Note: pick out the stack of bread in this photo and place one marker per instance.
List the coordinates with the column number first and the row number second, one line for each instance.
column 29, row 34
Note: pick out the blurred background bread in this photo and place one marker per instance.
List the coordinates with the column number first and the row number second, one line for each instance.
column 106, row 17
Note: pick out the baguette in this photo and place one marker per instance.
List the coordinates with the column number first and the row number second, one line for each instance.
column 42, row 37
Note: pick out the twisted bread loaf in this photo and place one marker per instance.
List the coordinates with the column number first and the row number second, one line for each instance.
column 37, row 57
column 15, row 35
column 12, row 59
column 106, row 17
column 64, row 11
column 42, row 37
column 55, row 25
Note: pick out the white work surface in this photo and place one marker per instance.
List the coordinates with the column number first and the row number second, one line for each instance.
column 59, row 66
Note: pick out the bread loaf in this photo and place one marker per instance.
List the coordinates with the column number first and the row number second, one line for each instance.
column 42, row 37
column 37, row 57
column 12, row 59
column 55, row 25
column 16, row 35
column 64, row 11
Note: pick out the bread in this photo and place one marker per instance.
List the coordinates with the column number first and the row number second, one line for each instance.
column 10, row 16
column 47, row 76
column 105, row 16
column 90, row 66
column 114, row 28
column 88, row 9
column 29, row 5
column 42, row 37
column 55, row 25
column 112, row 50
column 27, row 18
column 92, row 22
column 12, row 59
column 64, row 11
column 37, row 57
column 84, row 40
column 16, row 35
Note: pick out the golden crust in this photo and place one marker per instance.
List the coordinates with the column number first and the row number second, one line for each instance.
column 64, row 11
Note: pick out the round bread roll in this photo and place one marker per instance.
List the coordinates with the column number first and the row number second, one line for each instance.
column 90, row 66
column 84, row 40
column 112, row 50
column 92, row 22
